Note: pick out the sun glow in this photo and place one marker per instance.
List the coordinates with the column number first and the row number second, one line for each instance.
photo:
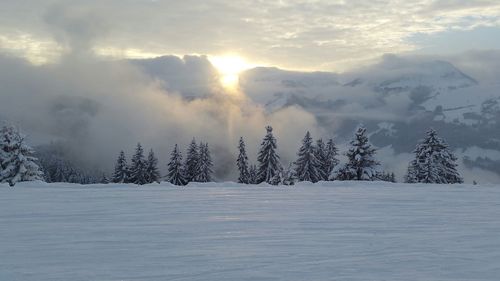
column 229, row 67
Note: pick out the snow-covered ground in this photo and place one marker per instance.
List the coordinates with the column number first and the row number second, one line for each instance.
column 327, row 231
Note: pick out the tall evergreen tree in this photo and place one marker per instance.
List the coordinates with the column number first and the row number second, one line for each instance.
column 321, row 153
column 242, row 163
column 331, row 155
column 17, row 162
column 268, row 158
column 152, row 172
column 175, row 174
column 138, row 167
column 361, row 163
column 306, row 166
column 121, row 173
column 433, row 163
column 192, row 161
column 204, row 164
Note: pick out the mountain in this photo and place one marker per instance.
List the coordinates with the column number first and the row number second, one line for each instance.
column 397, row 99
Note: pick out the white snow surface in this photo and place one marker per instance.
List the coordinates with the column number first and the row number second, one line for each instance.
column 226, row 231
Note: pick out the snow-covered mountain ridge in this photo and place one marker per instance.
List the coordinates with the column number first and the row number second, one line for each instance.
column 398, row 99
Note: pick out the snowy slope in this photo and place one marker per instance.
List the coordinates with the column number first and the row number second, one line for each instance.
column 327, row 231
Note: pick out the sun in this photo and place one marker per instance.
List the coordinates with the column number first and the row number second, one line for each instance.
column 229, row 67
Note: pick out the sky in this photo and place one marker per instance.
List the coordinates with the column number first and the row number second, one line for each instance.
column 329, row 35
column 65, row 72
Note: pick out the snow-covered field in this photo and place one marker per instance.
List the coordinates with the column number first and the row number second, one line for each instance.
column 327, row 231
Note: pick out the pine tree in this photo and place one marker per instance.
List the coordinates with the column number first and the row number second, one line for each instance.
column 268, row 158
column 16, row 158
column 433, row 163
column 121, row 174
column 152, row 173
column 175, row 173
column 306, row 166
column 331, row 155
column 242, row 163
column 361, row 164
column 138, row 167
column 321, row 153
column 204, row 164
column 191, row 165
column 253, row 175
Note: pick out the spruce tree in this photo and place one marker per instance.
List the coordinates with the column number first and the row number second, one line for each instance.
column 175, row 174
column 321, row 153
column 268, row 158
column 204, row 164
column 306, row 166
column 138, row 167
column 361, row 164
column 121, row 173
column 17, row 162
column 331, row 155
column 152, row 173
column 433, row 163
column 191, row 165
column 242, row 163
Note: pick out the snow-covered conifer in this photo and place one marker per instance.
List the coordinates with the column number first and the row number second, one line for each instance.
column 138, row 166
column 242, row 163
column 321, row 153
column 191, row 168
column 361, row 163
column 205, row 164
column 152, row 173
column 268, row 158
column 16, row 158
column 121, row 173
column 175, row 174
column 433, row 163
column 331, row 155
column 306, row 166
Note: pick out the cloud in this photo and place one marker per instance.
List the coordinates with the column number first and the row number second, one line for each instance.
column 328, row 35
column 100, row 107
column 75, row 27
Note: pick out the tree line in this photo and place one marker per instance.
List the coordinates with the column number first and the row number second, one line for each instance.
column 433, row 162
column 197, row 166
